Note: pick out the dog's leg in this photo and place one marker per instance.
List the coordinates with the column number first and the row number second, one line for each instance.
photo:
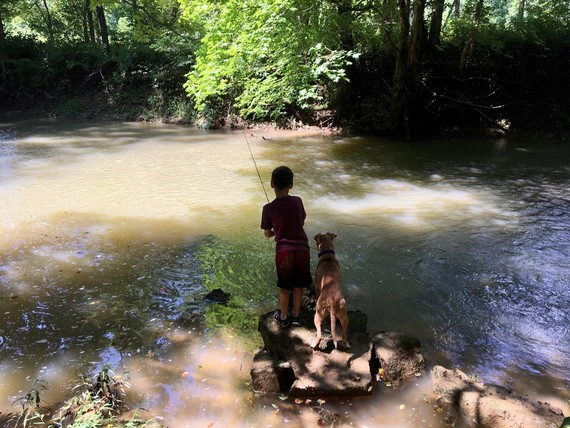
column 317, row 288
column 318, row 321
column 343, row 318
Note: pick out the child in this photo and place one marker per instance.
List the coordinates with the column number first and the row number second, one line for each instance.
column 284, row 218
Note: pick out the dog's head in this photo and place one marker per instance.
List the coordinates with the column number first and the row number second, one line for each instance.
column 325, row 241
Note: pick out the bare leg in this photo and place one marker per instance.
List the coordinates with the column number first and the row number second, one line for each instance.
column 284, row 302
column 297, row 301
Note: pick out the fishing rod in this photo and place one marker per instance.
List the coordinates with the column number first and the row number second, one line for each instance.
column 256, row 168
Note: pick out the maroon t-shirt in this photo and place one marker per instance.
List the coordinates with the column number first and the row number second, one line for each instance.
column 286, row 216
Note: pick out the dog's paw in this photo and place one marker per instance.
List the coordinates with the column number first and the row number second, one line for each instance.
column 315, row 344
column 344, row 346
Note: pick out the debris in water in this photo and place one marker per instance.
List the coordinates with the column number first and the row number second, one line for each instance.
column 217, row 296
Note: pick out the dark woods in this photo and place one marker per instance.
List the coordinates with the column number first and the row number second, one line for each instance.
column 393, row 67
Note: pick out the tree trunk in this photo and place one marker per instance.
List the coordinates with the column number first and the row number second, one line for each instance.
column 343, row 95
column 417, row 38
column 90, row 24
column 135, row 18
column 2, row 31
column 436, row 24
column 43, row 9
column 345, row 11
column 103, row 27
column 398, row 115
column 456, row 9
column 521, row 10
column 3, row 57
column 410, row 54
column 468, row 48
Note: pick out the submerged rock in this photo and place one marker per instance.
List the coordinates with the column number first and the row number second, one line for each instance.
column 481, row 405
column 217, row 296
column 399, row 356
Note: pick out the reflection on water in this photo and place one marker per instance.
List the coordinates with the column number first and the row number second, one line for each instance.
column 111, row 234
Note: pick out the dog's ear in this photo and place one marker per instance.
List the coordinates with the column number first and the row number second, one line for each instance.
column 331, row 234
column 317, row 236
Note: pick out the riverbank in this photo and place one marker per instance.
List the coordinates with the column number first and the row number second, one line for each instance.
column 95, row 106
column 268, row 131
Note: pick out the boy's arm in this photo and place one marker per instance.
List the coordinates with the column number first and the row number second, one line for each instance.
column 266, row 223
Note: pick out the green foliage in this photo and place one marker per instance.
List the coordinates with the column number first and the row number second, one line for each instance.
column 141, row 22
column 98, row 399
column 278, row 60
column 70, row 107
column 264, row 59
column 31, row 409
column 148, row 82
column 39, row 70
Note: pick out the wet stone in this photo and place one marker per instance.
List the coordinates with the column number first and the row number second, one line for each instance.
column 460, row 398
column 217, row 296
column 288, row 365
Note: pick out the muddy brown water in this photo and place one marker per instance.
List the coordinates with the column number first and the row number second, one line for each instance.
column 112, row 233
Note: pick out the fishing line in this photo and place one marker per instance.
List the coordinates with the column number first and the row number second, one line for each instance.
column 256, row 168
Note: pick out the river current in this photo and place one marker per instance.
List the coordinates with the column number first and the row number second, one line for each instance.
column 112, row 233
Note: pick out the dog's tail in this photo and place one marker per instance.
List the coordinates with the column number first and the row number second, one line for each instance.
column 333, row 326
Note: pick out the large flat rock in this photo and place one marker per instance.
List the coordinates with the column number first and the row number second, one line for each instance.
column 288, row 365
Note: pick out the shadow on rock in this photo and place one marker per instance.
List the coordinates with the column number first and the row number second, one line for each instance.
column 288, row 365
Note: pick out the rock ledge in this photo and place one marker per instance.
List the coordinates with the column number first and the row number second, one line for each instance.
column 289, row 366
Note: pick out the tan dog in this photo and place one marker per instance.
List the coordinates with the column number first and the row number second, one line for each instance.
column 328, row 280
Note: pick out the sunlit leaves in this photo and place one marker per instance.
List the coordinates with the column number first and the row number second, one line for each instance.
column 259, row 58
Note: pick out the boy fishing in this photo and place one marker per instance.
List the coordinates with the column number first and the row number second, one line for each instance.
column 284, row 218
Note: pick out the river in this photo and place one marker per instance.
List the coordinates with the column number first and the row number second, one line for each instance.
column 112, row 233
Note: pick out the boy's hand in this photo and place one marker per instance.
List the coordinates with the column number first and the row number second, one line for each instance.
column 268, row 233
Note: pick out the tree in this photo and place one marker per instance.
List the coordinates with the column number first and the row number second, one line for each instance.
column 88, row 25
column 44, row 10
column 411, row 49
column 103, row 27
column 263, row 60
column 471, row 36
column 436, row 23
column 2, row 46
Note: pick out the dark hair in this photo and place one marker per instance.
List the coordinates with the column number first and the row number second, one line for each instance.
column 282, row 177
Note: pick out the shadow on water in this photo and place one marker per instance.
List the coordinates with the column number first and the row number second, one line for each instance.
column 462, row 244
